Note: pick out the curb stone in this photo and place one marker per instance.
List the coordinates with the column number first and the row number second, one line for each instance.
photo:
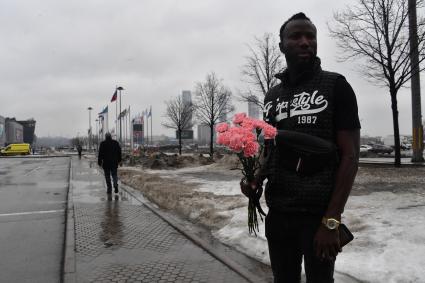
column 69, row 260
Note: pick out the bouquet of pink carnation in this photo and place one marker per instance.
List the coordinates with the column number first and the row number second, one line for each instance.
column 243, row 139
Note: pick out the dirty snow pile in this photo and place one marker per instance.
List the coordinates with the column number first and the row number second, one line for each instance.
column 385, row 213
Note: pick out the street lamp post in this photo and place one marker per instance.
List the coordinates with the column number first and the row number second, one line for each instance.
column 90, row 109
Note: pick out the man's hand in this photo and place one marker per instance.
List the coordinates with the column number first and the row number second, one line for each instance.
column 326, row 243
column 250, row 189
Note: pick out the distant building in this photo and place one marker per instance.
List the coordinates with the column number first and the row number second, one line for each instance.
column 204, row 133
column 2, row 131
column 253, row 107
column 29, row 128
column 14, row 131
column 187, row 133
column 187, row 99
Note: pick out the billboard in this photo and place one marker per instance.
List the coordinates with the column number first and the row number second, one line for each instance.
column 138, row 134
column 186, row 135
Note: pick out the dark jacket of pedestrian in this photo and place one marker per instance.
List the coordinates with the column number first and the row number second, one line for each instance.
column 109, row 153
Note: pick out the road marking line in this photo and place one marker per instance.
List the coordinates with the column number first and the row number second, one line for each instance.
column 32, row 212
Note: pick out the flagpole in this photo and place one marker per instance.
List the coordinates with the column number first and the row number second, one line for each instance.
column 120, row 89
column 147, row 129
column 150, row 114
column 116, row 114
column 126, row 127
column 124, row 130
column 131, row 131
column 120, row 119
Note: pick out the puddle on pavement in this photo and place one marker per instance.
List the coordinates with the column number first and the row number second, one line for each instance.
column 111, row 225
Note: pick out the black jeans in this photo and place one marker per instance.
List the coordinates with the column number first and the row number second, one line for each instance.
column 108, row 172
column 290, row 237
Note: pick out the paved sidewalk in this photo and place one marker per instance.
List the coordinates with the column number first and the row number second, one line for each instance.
column 117, row 239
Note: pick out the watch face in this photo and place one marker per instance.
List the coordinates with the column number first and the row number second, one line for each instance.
column 332, row 224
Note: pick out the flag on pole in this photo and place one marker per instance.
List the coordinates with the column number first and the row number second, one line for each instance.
column 122, row 114
column 103, row 116
column 104, row 111
column 114, row 96
column 150, row 112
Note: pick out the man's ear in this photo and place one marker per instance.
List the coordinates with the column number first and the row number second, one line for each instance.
column 281, row 47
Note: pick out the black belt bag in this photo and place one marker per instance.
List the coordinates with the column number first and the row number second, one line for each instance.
column 303, row 153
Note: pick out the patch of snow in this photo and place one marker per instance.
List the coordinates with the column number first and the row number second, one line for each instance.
column 236, row 234
column 389, row 243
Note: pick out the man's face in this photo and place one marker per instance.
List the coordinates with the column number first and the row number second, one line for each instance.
column 299, row 42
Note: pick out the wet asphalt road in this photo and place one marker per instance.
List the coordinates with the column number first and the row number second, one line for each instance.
column 32, row 218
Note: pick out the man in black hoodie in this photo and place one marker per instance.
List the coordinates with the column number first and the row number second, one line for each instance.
column 109, row 158
column 305, row 208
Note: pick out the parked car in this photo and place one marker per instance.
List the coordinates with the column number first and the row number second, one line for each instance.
column 16, row 149
column 405, row 146
column 379, row 148
column 365, row 148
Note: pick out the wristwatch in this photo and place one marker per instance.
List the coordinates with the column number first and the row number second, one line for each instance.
column 330, row 223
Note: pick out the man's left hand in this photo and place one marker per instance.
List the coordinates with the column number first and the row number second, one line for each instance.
column 326, row 243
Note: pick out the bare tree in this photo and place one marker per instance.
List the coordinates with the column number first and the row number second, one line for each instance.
column 212, row 101
column 378, row 32
column 179, row 117
column 262, row 64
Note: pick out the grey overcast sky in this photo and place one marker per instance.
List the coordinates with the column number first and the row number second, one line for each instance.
column 59, row 57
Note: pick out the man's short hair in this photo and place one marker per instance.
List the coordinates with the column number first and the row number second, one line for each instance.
column 108, row 136
column 298, row 16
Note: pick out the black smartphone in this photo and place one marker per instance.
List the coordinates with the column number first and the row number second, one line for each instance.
column 345, row 236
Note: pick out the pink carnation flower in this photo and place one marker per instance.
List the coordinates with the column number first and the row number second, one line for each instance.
column 222, row 127
column 236, row 143
column 250, row 149
column 238, row 118
column 269, row 132
column 260, row 124
column 223, row 139
column 248, row 136
column 248, row 123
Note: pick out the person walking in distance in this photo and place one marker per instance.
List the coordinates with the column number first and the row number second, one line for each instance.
column 79, row 150
column 306, row 196
column 109, row 158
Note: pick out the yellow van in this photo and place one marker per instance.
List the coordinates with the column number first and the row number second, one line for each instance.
column 16, row 149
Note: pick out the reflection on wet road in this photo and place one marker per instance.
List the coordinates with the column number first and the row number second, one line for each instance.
column 111, row 224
